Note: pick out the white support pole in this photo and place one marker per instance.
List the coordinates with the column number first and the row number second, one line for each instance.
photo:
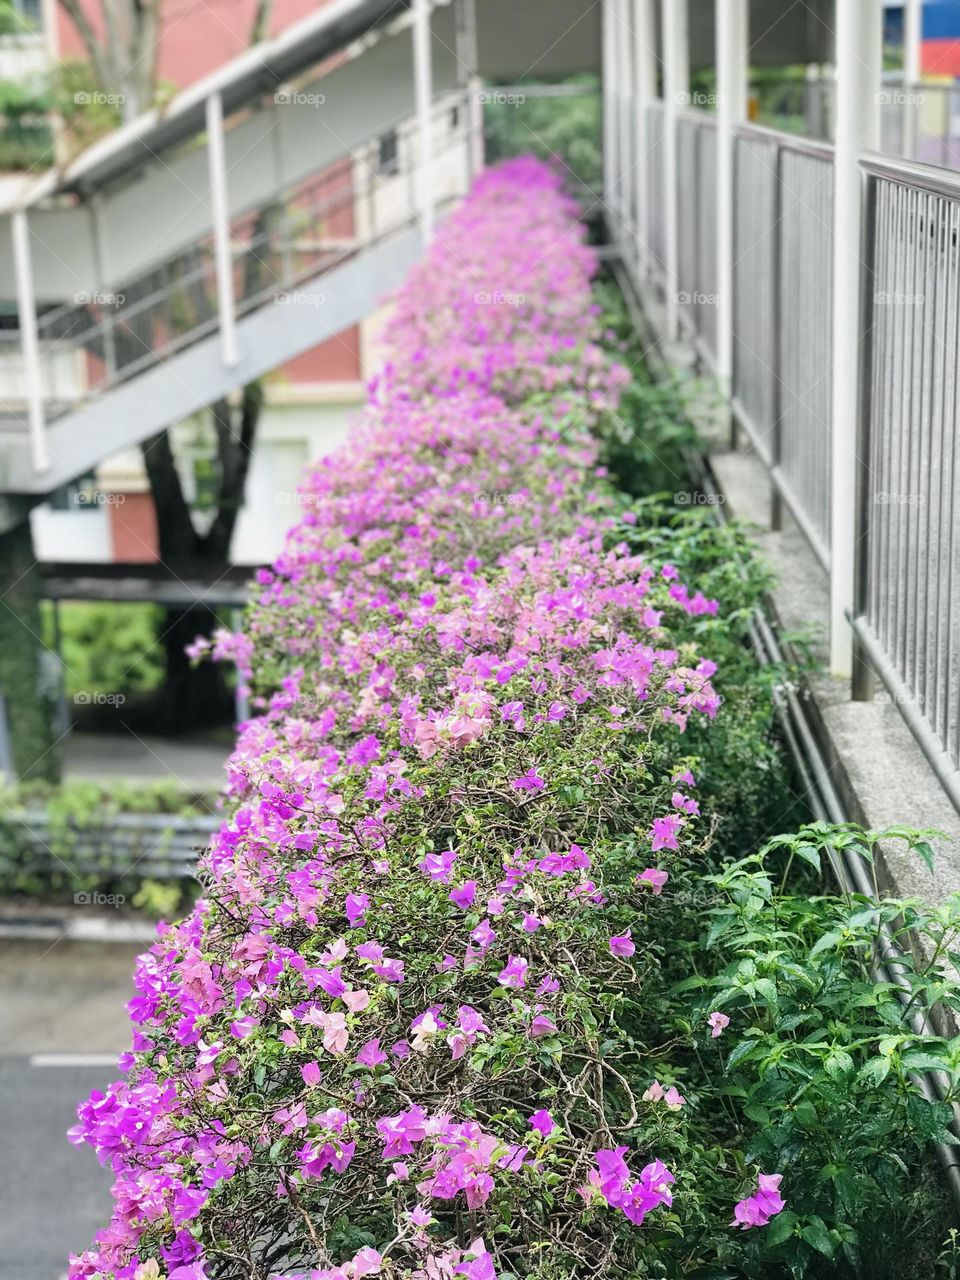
column 732, row 41
column 223, row 254
column 468, row 78
column 29, row 343
column 645, row 90
column 624, row 43
column 859, row 66
column 912, row 41
column 610, row 130
column 423, row 97
column 676, row 93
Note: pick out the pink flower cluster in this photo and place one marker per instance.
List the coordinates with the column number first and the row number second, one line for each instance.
column 361, row 1018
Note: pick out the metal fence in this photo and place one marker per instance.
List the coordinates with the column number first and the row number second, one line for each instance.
column 697, row 238
column 917, row 121
column 907, row 616
column 782, row 316
column 118, row 846
column 653, row 187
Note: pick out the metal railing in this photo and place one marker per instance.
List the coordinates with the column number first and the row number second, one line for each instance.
column 783, row 251
column 907, row 615
column 110, row 336
column 906, row 612
column 697, row 238
column 653, row 187
column 112, row 847
column 917, row 121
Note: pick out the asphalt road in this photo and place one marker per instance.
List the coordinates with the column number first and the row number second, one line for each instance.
column 62, row 1024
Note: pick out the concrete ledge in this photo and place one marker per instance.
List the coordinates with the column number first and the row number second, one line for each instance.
column 874, row 760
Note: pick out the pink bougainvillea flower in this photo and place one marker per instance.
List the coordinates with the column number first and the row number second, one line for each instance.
column 635, row 1199
column 514, row 974
column 311, row 1073
column 542, row 1026
column 665, row 830
column 371, row 1055
column 654, row 878
column 765, row 1203
column 529, row 781
column 356, row 907
column 463, row 896
column 622, row 945
column 543, row 1122
column 356, row 1001
column 717, row 1023
column 439, row 865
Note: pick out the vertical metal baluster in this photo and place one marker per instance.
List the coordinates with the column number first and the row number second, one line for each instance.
column 776, row 308
column 875, row 596
column 945, row 702
column 863, row 682
column 901, row 464
column 930, row 514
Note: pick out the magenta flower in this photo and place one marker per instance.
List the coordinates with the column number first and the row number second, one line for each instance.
column 483, row 935
column 654, row 878
column 634, row 1198
column 371, row 1055
column 665, row 830
column 622, row 945
column 717, row 1023
column 543, row 1122
column 515, row 972
column 311, row 1073
column 542, row 1026
column 356, row 906
column 529, row 781
column 439, row 865
column 463, row 896
column 765, row 1203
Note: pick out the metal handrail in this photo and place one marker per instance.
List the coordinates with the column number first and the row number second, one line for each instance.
column 786, row 141
column 912, row 173
column 302, row 204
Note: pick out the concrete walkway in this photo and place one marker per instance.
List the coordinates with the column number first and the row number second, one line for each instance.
column 95, row 757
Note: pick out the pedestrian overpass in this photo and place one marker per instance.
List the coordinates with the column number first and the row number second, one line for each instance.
column 262, row 211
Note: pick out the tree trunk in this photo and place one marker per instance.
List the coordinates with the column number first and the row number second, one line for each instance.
column 27, row 673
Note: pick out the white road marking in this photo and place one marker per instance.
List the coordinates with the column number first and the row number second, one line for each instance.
column 74, row 1059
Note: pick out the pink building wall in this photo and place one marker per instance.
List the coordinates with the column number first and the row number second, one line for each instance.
column 196, row 36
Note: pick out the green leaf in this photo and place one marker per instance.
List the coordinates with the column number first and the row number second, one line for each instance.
column 826, row 941
column 921, row 1060
column 767, row 988
column 781, row 1228
column 926, row 854
column 838, row 1063
column 810, row 853
column 818, row 1237
column 740, row 1052
column 875, row 1071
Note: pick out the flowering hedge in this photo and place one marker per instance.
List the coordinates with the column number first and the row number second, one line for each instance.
column 401, row 1034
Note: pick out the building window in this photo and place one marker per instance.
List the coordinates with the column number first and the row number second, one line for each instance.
column 388, row 160
column 28, row 14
